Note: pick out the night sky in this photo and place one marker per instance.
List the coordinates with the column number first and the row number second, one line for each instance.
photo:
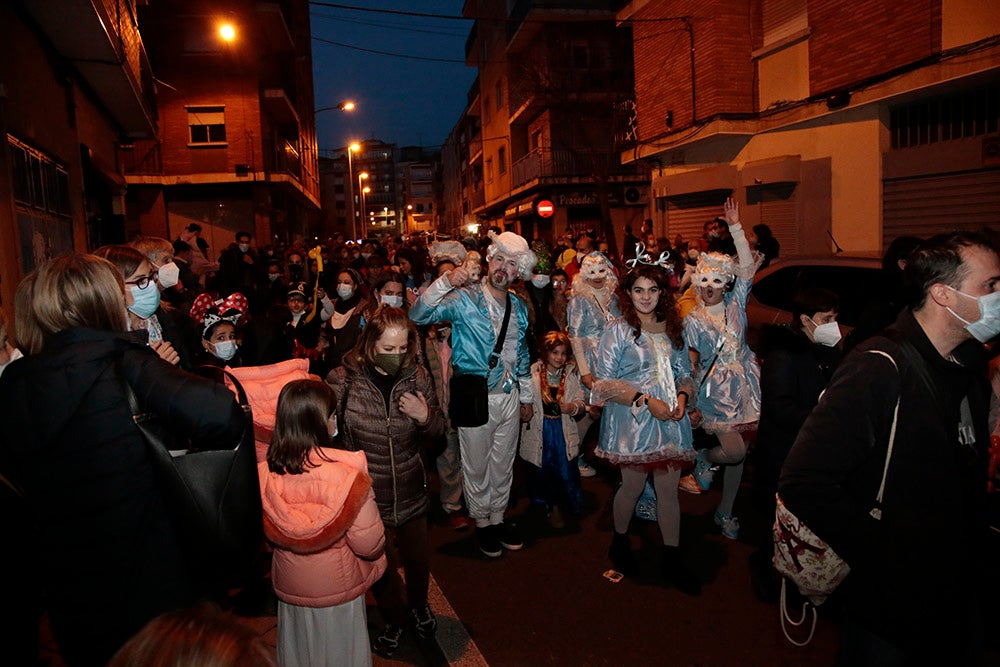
column 400, row 100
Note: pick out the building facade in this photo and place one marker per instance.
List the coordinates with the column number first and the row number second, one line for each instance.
column 553, row 76
column 75, row 84
column 839, row 125
column 236, row 149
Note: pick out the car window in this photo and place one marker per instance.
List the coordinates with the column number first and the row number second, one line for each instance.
column 854, row 285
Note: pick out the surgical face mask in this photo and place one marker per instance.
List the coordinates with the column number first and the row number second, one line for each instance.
column 273, row 276
column 225, row 349
column 987, row 326
column 144, row 301
column 826, row 334
column 395, row 301
column 244, row 247
column 168, row 275
column 345, row 291
column 366, row 255
column 539, row 280
column 331, row 426
column 390, row 363
column 14, row 356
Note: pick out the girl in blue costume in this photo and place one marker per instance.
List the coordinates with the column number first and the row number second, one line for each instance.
column 729, row 394
column 644, row 375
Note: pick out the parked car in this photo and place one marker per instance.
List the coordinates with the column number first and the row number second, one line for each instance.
column 854, row 278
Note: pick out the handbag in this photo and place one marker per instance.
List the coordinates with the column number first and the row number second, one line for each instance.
column 212, row 496
column 468, row 402
column 804, row 558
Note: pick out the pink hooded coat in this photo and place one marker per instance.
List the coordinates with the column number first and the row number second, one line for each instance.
column 325, row 528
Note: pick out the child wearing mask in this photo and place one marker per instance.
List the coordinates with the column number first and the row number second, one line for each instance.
column 218, row 320
column 320, row 516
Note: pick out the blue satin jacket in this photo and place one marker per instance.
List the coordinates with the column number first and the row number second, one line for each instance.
column 473, row 334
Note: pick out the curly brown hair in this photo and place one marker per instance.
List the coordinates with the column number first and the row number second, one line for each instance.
column 666, row 306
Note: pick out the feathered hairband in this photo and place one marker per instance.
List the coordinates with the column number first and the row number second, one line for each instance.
column 643, row 257
column 204, row 304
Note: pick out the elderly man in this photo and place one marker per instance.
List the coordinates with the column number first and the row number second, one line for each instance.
column 914, row 593
column 477, row 312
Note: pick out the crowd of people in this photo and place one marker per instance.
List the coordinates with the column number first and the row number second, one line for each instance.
column 478, row 351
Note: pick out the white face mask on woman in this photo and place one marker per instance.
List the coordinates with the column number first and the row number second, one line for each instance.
column 394, row 300
column 225, row 349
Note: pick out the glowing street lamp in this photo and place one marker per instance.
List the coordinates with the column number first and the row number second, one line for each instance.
column 346, row 105
column 364, row 190
column 227, row 32
column 354, row 147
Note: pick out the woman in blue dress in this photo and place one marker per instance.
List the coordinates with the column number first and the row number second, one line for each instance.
column 729, row 391
column 644, row 377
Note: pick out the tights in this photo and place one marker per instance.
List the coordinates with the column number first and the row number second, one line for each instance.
column 730, row 453
column 668, row 508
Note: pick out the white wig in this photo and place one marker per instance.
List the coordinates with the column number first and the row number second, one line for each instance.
column 714, row 267
column 515, row 247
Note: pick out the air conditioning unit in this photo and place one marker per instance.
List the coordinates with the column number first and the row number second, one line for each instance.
column 635, row 195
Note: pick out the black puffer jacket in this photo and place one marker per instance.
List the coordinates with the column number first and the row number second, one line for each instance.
column 390, row 439
column 106, row 550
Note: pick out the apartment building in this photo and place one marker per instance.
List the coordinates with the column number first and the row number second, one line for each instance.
column 837, row 124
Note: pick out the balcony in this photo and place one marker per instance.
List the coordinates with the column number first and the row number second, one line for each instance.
column 141, row 158
column 101, row 39
column 521, row 32
column 560, row 165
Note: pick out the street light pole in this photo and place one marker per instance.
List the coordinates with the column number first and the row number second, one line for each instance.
column 362, row 189
column 350, row 186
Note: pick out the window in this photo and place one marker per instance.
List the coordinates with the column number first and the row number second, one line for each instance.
column 536, row 140
column 499, row 94
column 961, row 115
column 40, row 183
column 502, row 160
column 207, row 125
column 489, row 170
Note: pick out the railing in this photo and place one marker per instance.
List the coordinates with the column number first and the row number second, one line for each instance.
column 283, row 158
column 546, row 163
column 141, row 157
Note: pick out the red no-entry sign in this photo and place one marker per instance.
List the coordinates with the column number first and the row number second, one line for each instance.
column 545, row 208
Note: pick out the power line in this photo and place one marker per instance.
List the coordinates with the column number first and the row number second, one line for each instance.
column 390, row 26
column 387, row 53
column 451, row 17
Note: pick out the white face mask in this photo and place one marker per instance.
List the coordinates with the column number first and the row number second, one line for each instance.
column 225, row 349
column 14, row 356
column 168, row 275
column 826, row 334
column 394, row 301
column 345, row 291
column 331, row 426
column 244, row 247
column 539, row 280
column 987, row 326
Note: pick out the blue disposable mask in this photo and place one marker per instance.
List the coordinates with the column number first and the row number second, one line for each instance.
column 396, row 301
column 225, row 349
column 144, row 301
column 987, row 326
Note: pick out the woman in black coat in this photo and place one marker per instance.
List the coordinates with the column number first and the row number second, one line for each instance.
column 798, row 360
column 107, row 554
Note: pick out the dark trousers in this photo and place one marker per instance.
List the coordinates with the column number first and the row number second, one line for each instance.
column 406, row 545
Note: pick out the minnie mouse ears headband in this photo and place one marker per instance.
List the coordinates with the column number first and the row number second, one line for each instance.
column 643, row 257
column 204, row 303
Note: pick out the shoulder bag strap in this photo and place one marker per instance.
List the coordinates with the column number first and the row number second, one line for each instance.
column 876, row 511
column 495, row 356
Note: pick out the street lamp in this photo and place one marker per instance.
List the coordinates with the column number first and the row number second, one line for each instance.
column 346, row 105
column 363, row 189
column 353, row 148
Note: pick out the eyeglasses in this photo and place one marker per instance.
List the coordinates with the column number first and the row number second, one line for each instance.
column 143, row 281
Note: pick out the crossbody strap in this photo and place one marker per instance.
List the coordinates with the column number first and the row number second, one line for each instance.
column 495, row 356
column 876, row 511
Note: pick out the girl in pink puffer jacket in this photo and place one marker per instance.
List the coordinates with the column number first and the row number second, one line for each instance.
column 320, row 516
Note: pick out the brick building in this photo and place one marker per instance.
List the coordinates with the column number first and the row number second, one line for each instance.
column 862, row 121
column 75, row 82
column 552, row 74
column 237, row 143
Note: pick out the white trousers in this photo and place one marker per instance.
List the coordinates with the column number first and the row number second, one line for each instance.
column 488, row 459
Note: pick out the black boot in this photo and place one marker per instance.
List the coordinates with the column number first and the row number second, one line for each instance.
column 621, row 555
column 677, row 574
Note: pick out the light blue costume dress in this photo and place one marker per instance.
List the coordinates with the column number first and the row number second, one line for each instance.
column 586, row 321
column 729, row 393
column 651, row 365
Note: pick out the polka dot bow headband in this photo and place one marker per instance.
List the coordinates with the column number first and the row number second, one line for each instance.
column 204, row 302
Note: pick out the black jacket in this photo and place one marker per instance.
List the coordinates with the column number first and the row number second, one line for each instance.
column 793, row 372
column 916, row 574
column 101, row 534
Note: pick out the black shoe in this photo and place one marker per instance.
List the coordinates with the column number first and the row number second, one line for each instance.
column 620, row 553
column 509, row 537
column 488, row 542
column 387, row 642
column 424, row 622
column 677, row 574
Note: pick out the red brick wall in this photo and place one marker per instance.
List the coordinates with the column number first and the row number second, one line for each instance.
column 851, row 41
column 724, row 71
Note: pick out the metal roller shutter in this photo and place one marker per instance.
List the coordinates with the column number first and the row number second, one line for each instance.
column 927, row 205
column 779, row 211
column 687, row 214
